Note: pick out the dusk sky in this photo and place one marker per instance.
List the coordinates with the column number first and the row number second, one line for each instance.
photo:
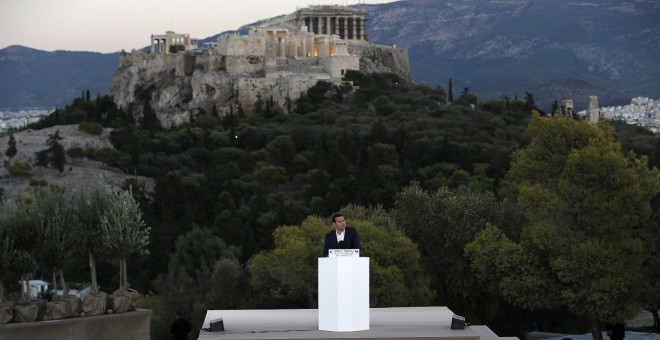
column 112, row 25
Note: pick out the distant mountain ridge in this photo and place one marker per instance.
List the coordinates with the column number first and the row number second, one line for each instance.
column 31, row 78
column 506, row 47
column 495, row 47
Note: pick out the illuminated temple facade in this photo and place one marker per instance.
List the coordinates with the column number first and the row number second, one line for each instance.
column 345, row 22
column 316, row 34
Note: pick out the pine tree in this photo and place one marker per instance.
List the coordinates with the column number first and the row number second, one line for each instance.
column 259, row 104
column 149, row 119
column 530, row 104
column 11, row 149
column 288, row 105
column 55, row 155
column 450, row 92
column 56, row 151
column 241, row 112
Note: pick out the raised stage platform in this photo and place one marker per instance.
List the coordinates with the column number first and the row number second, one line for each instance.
column 385, row 323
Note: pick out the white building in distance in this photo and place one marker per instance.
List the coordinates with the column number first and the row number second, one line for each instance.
column 642, row 111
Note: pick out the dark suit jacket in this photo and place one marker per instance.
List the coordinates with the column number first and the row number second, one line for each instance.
column 351, row 240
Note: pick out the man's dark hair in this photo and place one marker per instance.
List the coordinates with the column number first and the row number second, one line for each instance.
column 334, row 217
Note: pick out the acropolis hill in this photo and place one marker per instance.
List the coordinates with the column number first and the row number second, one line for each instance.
column 280, row 58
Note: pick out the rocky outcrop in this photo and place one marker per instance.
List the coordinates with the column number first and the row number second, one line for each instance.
column 180, row 86
column 383, row 59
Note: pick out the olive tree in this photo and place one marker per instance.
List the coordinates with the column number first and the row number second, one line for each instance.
column 18, row 223
column 91, row 208
column 123, row 231
column 56, row 228
column 13, row 260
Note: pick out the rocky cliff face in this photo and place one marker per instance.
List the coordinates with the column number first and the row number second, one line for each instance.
column 180, row 86
column 379, row 59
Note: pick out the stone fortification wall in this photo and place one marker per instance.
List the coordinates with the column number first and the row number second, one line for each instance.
column 338, row 65
column 298, row 66
column 211, row 63
column 244, row 54
column 279, row 88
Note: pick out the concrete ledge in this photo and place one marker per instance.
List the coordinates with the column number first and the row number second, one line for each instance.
column 129, row 326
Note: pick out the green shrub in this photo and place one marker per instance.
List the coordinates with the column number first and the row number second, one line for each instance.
column 108, row 156
column 75, row 152
column 93, row 128
column 34, row 182
column 177, row 48
column 19, row 169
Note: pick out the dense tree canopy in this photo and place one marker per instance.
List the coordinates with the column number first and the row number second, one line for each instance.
column 441, row 223
column 287, row 275
column 583, row 199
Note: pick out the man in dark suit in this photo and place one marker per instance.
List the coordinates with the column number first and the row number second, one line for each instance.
column 342, row 237
column 180, row 328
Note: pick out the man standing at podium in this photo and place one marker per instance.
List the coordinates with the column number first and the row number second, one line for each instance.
column 342, row 237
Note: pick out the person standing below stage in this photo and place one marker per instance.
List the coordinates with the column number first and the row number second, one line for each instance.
column 342, row 237
column 616, row 331
column 180, row 328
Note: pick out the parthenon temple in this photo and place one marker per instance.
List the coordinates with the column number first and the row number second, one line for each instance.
column 346, row 22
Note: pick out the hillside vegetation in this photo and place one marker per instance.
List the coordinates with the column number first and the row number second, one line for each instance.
column 396, row 156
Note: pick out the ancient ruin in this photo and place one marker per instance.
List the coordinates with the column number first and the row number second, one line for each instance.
column 164, row 44
column 345, row 22
column 566, row 107
column 279, row 59
column 594, row 109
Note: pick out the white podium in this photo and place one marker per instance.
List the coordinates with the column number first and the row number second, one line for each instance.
column 343, row 294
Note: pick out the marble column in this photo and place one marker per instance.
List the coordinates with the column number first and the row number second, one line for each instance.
column 360, row 29
column 304, row 47
column 333, row 28
column 345, row 28
column 354, row 28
